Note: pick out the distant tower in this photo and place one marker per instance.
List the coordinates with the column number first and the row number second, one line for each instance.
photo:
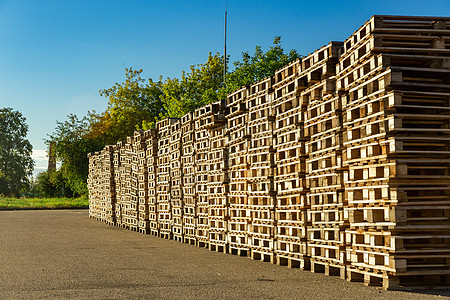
column 51, row 157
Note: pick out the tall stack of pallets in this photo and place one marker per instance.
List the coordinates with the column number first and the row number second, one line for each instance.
column 189, row 178
column 339, row 163
column 133, row 216
column 100, row 200
column 94, row 185
column 151, row 143
column 218, row 180
column 125, row 182
column 108, row 197
column 139, row 144
column 325, row 172
column 238, row 164
column 117, row 184
column 176, row 177
column 261, row 175
column 203, row 118
column 291, row 246
column 163, row 179
column 394, row 77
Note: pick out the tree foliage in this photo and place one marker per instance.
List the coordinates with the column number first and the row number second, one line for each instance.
column 202, row 85
column 129, row 104
column 16, row 164
column 72, row 142
column 52, row 184
column 138, row 103
column 258, row 66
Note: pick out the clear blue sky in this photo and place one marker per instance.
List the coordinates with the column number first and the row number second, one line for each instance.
column 55, row 54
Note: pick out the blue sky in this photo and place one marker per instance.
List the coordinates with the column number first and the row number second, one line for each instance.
column 55, row 54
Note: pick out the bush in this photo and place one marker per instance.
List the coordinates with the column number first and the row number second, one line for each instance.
column 52, row 184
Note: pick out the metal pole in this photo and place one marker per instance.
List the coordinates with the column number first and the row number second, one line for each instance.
column 225, row 49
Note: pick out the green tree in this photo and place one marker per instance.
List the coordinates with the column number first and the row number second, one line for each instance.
column 72, row 144
column 16, row 164
column 4, row 189
column 130, row 103
column 258, row 66
column 52, row 184
column 137, row 103
column 202, row 85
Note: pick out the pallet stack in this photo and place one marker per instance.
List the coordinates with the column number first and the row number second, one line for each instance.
column 261, row 177
column 189, row 177
column 238, row 163
column 108, row 197
column 204, row 116
column 117, row 184
column 218, row 180
column 100, row 200
column 139, row 144
column 291, row 210
column 325, row 171
column 124, row 181
column 163, row 179
column 133, row 220
column 394, row 75
column 151, row 145
column 176, row 177
column 94, row 185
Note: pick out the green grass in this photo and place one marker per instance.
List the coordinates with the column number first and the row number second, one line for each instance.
column 43, row 203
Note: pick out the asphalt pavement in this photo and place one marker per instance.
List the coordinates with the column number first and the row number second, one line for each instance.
column 64, row 254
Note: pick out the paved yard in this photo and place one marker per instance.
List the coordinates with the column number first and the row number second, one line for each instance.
column 64, row 254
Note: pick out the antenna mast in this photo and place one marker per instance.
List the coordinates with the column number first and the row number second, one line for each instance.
column 225, row 48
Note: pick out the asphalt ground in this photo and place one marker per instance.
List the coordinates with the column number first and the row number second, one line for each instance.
column 65, row 254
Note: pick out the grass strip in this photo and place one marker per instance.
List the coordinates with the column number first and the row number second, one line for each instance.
column 43, row 203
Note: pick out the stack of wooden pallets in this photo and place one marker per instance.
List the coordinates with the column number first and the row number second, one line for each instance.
column 140, row 147
column 117, row 184
column 261, row 175
column 108, row 197
column 238, row 164
column 125, row 173
column 291, row 168
column 133, row 216
column 176, row 177
column 218, row 180
column 163, row 179
column 189, row 171
column 203, row 117
column 94, row 185
column 339, row 163
column 124, row 182
column 394, row 80
column 325, row 172
column 151, row 146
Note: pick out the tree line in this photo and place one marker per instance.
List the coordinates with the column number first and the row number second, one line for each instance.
column 137, row 103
